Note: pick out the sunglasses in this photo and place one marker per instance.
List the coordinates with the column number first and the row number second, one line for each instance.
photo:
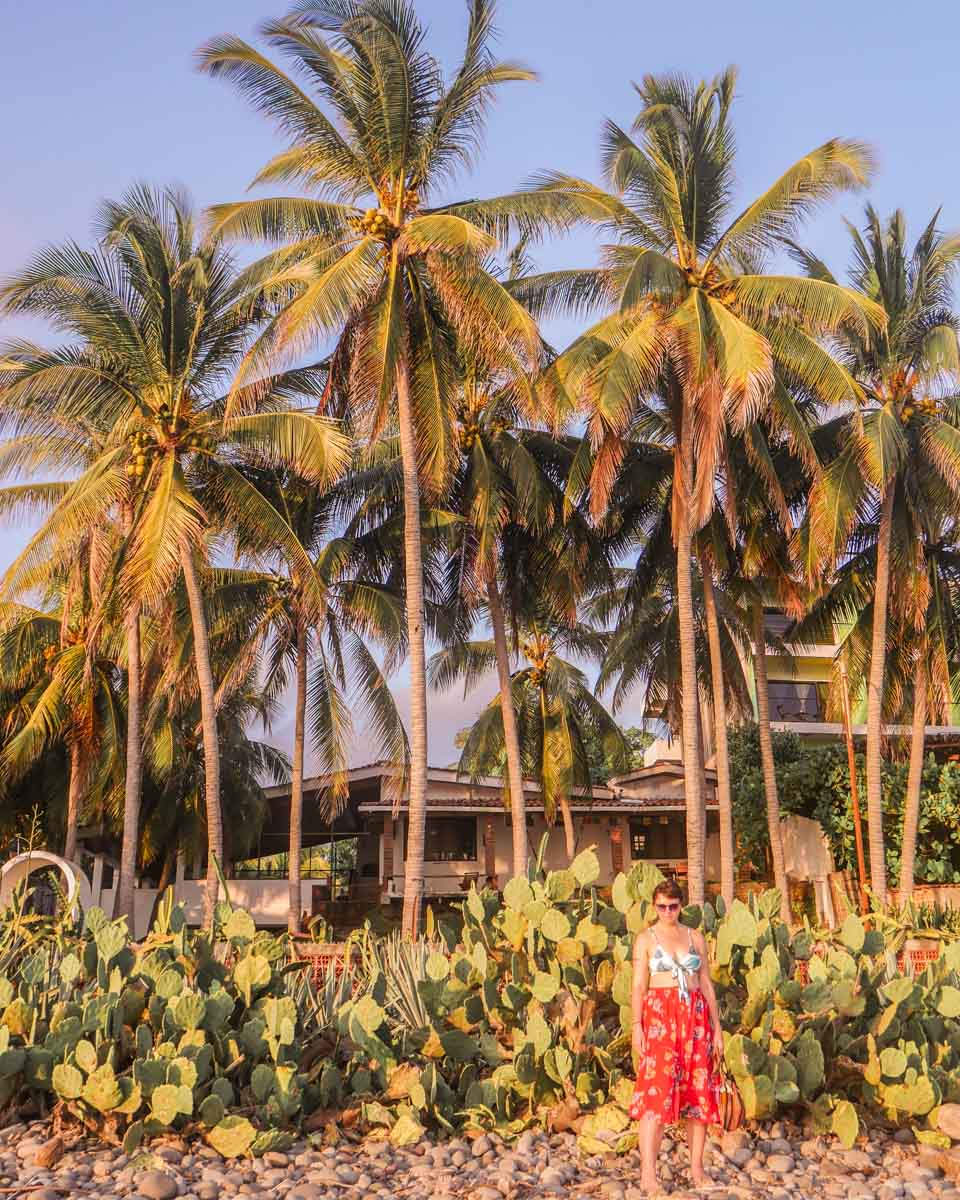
column 674, row 906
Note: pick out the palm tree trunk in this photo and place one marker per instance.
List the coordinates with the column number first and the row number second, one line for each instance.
column 211, row 741
column 74, row 790
column 724, row 794
column 690, row 727
column 510, row 736
column 123, row 900
column 413, row 577
column 911, row 811
column 878, row 866
column 296, row 784
column 569, row 833
column 766, row 761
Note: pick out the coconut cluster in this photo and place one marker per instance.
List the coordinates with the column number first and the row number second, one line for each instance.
column 376, row 224
column 139, row 454
column 926, row 405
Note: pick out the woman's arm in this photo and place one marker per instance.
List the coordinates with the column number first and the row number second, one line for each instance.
column 641, row 982
column 706, row 986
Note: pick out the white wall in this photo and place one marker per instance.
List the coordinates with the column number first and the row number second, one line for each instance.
column 267, row 901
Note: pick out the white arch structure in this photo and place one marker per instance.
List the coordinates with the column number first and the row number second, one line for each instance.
column 17, row 869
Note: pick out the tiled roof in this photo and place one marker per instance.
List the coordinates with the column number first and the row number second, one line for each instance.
column 605, row 804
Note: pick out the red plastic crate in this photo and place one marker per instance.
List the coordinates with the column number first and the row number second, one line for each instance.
column 919, row 960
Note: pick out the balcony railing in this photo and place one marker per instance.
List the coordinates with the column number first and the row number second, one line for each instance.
column 792, row 700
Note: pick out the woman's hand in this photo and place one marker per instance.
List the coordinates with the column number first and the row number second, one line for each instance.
column 639, row 1043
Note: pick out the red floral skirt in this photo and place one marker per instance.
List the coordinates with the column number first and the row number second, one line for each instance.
column 676, row 1078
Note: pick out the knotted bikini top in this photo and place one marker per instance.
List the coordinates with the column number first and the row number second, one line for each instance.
column 683, row 969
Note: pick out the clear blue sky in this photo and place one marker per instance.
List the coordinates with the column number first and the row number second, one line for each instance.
column 104, row 92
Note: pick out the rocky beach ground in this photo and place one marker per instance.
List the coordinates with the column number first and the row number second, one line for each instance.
column 778, row 1162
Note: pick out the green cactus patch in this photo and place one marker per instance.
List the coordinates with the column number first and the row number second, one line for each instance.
column 232, row 1137
column 102, row 1090
column 845, row 1123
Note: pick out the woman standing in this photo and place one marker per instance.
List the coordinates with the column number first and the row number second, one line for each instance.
column 677, row 1037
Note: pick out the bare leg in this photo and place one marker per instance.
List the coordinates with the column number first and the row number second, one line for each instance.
column 696, row 1140
column 651, row 1131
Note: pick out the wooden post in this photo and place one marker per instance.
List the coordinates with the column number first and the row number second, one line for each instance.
column 616, row 847
column 854, row 797
column 387, row 835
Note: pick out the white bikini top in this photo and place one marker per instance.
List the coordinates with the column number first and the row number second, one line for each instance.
column 683, row 969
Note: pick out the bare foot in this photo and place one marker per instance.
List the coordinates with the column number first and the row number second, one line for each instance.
column 651, row 1187
column 699, row 1180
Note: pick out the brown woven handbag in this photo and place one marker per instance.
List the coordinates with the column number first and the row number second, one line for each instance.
column 730, row 1104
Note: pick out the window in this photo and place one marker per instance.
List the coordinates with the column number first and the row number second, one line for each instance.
column 658, row 837
column 449, row 839
column 792, row 700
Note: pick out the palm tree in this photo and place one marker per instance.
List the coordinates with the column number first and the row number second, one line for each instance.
column 506, row 493
column 272, row 618
column 899, row 439
column 718, row 688
column 76, row 443
column 374, row 262
column 693, row 317
column 60, row 658
column 554, row 708
column 160, row 329
column 644, row 647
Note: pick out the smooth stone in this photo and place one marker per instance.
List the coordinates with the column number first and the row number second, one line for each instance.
column 552, row 1179
column 481, row 1147
column 831, row 1170
column 376, row 1149
column 948, row 1120
column 306, row 1191
column 157, row 1185
column 324, row 1177
column 782, row 1164
column 914, row 1170
column 44, row 1194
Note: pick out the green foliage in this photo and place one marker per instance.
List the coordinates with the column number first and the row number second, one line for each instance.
column 152, row 1051
column 814, row 781
column 521, row 1009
